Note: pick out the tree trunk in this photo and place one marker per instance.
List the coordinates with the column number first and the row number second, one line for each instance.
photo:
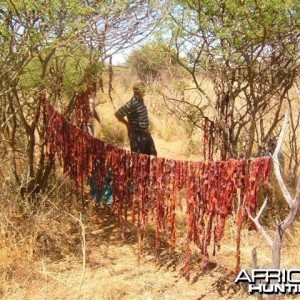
column 13, row 164
column 292, row 202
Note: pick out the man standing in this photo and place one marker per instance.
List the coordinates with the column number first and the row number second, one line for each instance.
column 137, row 122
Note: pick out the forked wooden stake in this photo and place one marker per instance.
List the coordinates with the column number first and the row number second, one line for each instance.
column 258, row 225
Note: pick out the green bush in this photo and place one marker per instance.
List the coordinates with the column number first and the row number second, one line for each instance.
column 150, row 61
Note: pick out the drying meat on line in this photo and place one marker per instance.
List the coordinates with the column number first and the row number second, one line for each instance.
column 148, row 189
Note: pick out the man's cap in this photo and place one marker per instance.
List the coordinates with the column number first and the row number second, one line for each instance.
column 139, row 87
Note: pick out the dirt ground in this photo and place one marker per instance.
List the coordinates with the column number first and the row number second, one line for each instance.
column 112, row 272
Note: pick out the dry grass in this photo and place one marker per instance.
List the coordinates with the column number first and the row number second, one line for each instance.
column 112, row 271
column 33, row 233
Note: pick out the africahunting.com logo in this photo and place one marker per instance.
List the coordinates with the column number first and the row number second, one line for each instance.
column 270, row 281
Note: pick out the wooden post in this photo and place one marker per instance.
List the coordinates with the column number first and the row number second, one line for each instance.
column 255, row 266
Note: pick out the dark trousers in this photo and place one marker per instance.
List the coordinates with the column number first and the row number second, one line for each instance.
column 142, row 142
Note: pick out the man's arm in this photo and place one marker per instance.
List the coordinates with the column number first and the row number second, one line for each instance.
column 125, row 110
column 123, row 120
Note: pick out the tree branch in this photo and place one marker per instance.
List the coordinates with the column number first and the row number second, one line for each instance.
column 258, row 225
column 276, row 163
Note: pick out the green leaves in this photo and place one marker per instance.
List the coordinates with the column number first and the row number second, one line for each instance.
column 230, row 24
